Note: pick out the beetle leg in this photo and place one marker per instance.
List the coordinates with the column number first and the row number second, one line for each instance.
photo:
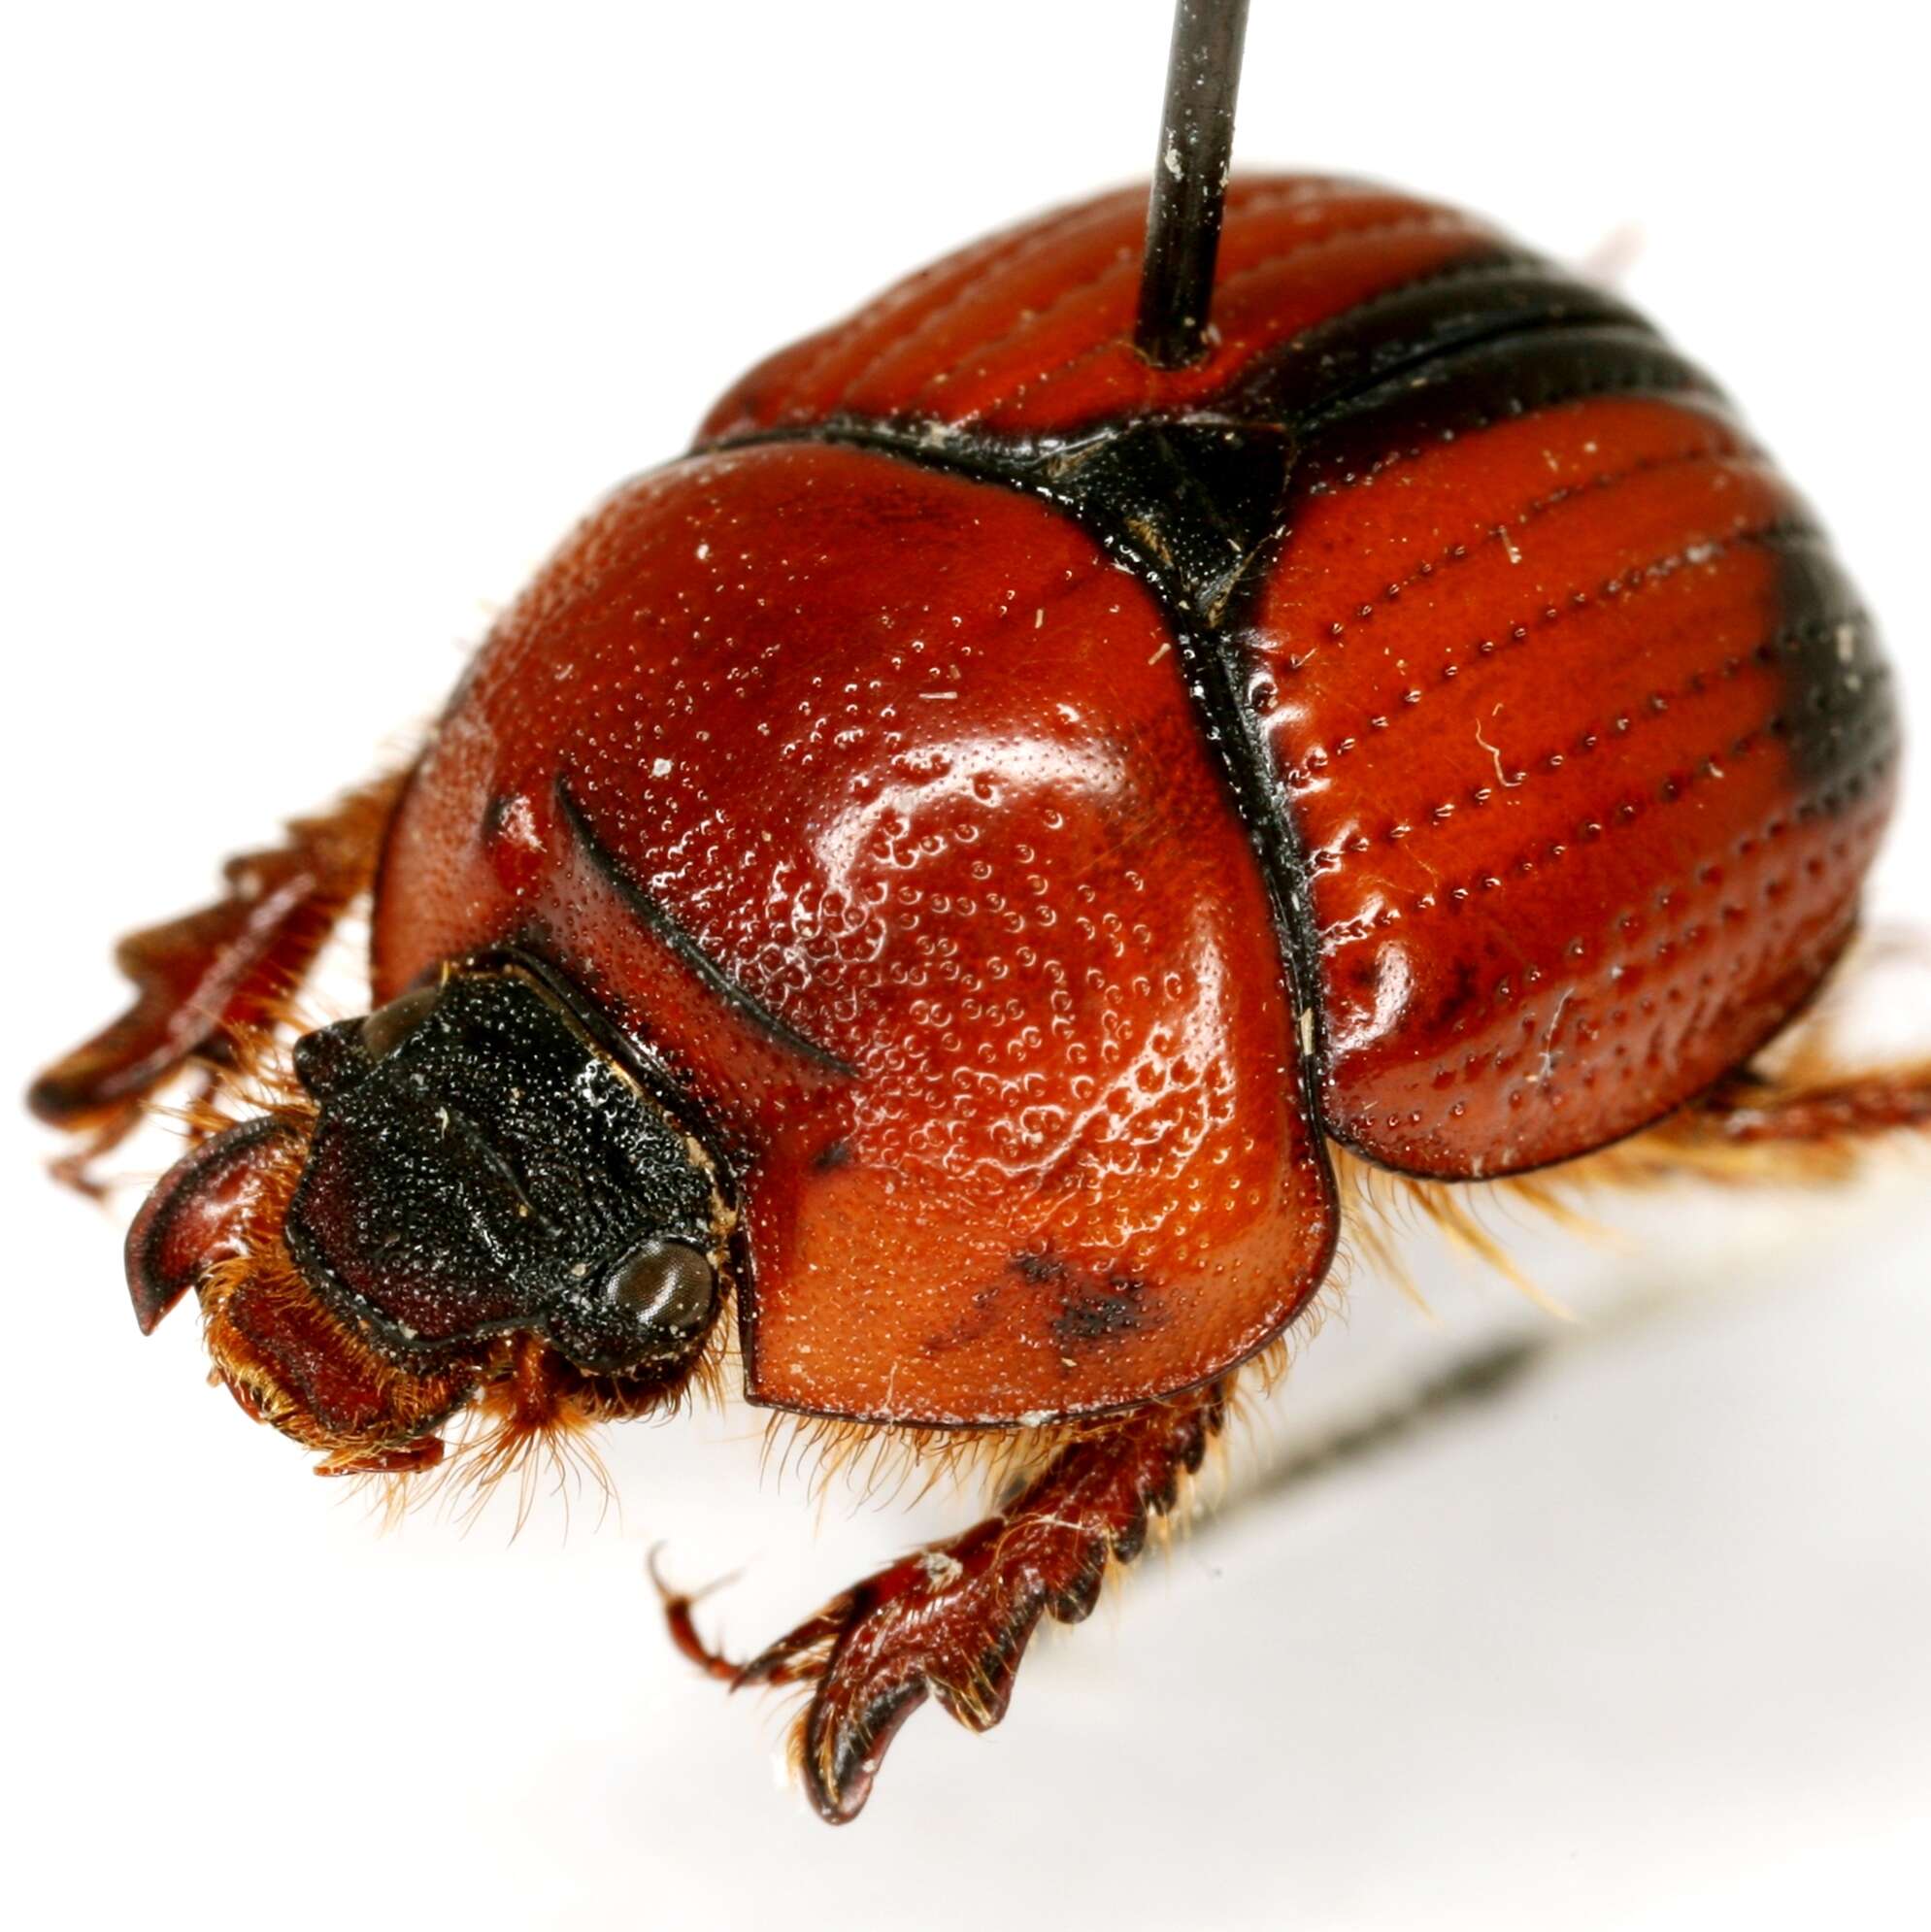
column 402, row 1459
column 1803, row 1127
column 678, row 1606
column 1749, row 1109
column 952, row 1621
column 200, row 980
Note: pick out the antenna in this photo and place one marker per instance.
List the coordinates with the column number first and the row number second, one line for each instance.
column 1189, row 181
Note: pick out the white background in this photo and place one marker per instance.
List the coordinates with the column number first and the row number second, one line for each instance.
column 322, row 324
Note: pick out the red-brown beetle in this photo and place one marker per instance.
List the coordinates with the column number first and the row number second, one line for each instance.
column 926, row 888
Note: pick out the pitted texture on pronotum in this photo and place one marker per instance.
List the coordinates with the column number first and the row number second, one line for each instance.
column 488, row 1167
column 873, row 799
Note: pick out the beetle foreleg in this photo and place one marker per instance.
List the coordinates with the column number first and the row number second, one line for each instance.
column 226, row 971
column 952, row 1621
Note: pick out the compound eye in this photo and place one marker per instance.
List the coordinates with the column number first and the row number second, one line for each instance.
column 667, row 1287
column 388, row 1026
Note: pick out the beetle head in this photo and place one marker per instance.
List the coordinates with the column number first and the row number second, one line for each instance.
column 475, row 1194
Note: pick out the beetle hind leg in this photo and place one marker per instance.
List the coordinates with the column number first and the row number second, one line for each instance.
column 224, row 973
column 952, row 1621
column 1815, row 1124
column 1754, row 1111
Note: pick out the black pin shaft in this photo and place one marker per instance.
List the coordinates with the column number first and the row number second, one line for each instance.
column 1191, row 180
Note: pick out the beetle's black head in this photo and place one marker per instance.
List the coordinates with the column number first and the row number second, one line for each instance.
column 484, row 1192
column 480, row 1163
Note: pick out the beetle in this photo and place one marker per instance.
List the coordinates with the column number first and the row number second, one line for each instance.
column 931, row 890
